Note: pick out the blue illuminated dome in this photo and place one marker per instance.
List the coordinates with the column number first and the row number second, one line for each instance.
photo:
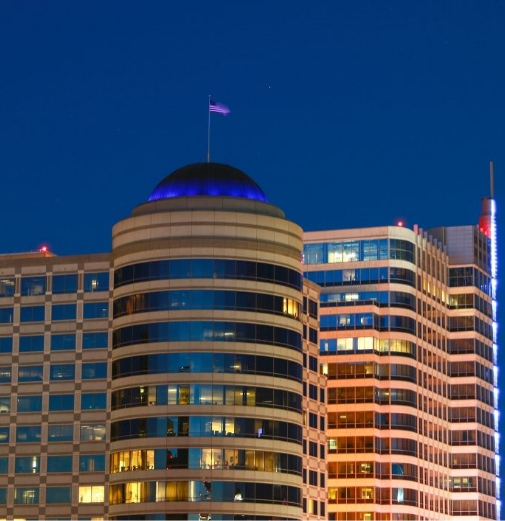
column 208, row 179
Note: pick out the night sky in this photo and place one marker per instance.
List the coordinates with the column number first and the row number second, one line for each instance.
column 347, row 113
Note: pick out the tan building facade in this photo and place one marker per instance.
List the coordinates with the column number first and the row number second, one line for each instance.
column 165, row 380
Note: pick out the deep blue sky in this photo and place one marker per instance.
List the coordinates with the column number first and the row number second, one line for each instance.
column 347, row 113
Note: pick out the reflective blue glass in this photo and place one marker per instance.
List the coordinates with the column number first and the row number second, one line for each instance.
column 60, row 433
column 28, row 433
column 33, row 285
column 6, row 344
column 4, row 465
column 63, row 342
column 63, row 312
column 30, row 373
column 60, row 463
column 7, row 286
column 93, row 370
column 32, row 313
column 58, row 494
column 4, row 434
column 96, row 282
column 95, row 340
column 61, row 402
column 66, row 283
column 5, row 374
column 207, row 331
column 62, row 372
column 93, row 401
column 92, row 463
column 29, row 403
column 27, row 465
column 6, row 315
column 96, row 310
column 31, row 343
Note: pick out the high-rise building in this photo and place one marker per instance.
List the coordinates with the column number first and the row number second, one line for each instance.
column 408, row 344
column 194, row 373
column 166, row 379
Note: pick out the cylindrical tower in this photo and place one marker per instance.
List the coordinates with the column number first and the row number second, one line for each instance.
column 206, row 419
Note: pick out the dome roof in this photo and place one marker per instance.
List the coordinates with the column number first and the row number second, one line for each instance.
column 210, row 179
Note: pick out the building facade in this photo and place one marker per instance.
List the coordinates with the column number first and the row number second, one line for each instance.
column 408, row 344
column 221, row 364
column 166, row 380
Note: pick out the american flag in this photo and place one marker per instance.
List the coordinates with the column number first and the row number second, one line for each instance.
column 214, row 106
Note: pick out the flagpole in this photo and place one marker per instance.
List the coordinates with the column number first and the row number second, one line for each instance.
column 208, row 135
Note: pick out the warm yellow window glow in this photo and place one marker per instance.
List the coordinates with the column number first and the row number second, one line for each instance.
column 91, row 494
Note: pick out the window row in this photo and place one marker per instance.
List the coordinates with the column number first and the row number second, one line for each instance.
column 370, row 469
column 362, row 444
column 202, row 394
column 206, row 299
column 370, row 494
column 356, row 251
column 381, row 346
column 53, row 464
column 222, row 491
column 206, row 331
column 379, row 298
column 353, row 321
column 379, row 371
column 206, row 426
column 207, row 269
column 469, row 276
column 58, row 494
column 57, row 402
column 196, row 362
column 58, row 342
column 56, row 284
column 57, row 372
column 357, row 276
column 204, row 458
column 380, row 396
column 56, row 433
column 59, row 312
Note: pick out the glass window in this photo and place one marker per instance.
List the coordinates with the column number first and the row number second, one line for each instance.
column 33, row 285
column 29, row 403
column 313, row 254
column 64, row 312
column 61, row 432
column 61, row 402
column 5, row 374
column 26, row 496
column 93, row 401
column 58, row 494
column 5, row 343
column 27, row 465
column 96, row 282
column 65, row 283
column 30, row 373
column 7, row 286
column 29, row 344
column 28, row 433
column 91, row 494
column 94, row 370
column 92, row 463
column 4, row 465
column 4, row 434
column 6, row 315
column 62, row 372
column 95, row 340
column 60, row 463
column 96, row 310
column 32, row 313
column 5, row 404
column 65, row 342
column 93, row 432
column 3, row 496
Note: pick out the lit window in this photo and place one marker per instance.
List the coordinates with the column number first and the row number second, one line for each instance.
column 91, row 494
